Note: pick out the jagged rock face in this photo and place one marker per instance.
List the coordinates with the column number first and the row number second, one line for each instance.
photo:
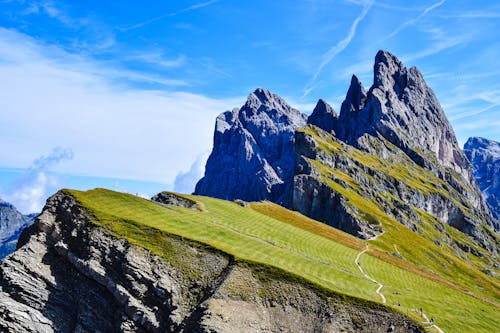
column 399, row 110
column 356, row 191
column 323, row 116
column 484, row 155
column 253, row 154
column 12, row 222
column 351, row 121
column 68, row 275
column 399, row 119
column 404, row 110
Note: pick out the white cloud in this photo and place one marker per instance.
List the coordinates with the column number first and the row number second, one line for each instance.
column 437, row 47
column 414, row 20
column 28, row 193
column 49, row 98
column 157, row 59
column 185, row 182
column 340, row 46
column 161, row 17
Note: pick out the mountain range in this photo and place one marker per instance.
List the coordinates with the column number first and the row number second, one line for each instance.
column 369, row 220
column 391, row 150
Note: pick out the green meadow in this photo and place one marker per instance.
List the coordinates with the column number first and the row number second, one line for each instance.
column 270, row 235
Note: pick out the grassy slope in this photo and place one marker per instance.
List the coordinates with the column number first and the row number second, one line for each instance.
column 291, row 242
column 420, row 251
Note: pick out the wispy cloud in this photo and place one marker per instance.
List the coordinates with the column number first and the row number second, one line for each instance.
column 340, row 46
column 53, row 11
column 164, row 16
column 474, row 15
column 436, row 48
column 478, row 124
column 463, row 94
column 474, row 112
column 414, row 20
column 359, row 69
column 157, row 59
column 28, row 193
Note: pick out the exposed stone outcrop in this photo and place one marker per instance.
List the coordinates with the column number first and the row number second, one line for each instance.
column 404, row 110
column 69, row 275
column 323, row 116
column 12, row 222
column 352, row 123
column 398, row 120
column 484, row 155
column 253, row 153
column 169, row 198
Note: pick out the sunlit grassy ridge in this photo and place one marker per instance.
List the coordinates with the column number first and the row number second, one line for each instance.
column 420, row 249
column 291, row 242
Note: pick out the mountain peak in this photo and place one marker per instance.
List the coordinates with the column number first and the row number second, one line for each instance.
column 253, row 154
column 323, row 116
column 477, row 142
column 389, row 72
column 262, row 96
column 355, row 97
column 270, row 108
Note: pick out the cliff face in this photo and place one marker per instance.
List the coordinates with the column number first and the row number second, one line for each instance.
column 393, row 153
column 253, row 153
column 484, row 155
column 69, row 275
column 12, row 222
column 401, row 108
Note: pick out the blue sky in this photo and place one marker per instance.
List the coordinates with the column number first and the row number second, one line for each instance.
column 124, row 95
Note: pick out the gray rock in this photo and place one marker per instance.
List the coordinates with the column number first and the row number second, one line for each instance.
column 351, row 121
column 401, row 108
column 170, row 198
column 253, row 155
column 69, row 275
column 399, row 120
column 12, row 222
column 324, row 117
column 484, row 155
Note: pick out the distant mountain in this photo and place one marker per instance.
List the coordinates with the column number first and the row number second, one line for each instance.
column 484, row 155
column 12, row 222
column 390, row 154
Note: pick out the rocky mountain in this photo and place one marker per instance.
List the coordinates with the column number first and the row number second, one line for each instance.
column 253, row 154
column 390, row 154
column 12, row 222
column 484, row 155
column 402, row 109
column 71, row 273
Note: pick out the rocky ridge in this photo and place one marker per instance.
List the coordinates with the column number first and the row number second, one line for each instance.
column 484, row 155
column 69, row 275
column 12, row 222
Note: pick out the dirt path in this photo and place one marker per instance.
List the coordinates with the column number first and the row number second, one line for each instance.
column 380, row 285
column 427, row 321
